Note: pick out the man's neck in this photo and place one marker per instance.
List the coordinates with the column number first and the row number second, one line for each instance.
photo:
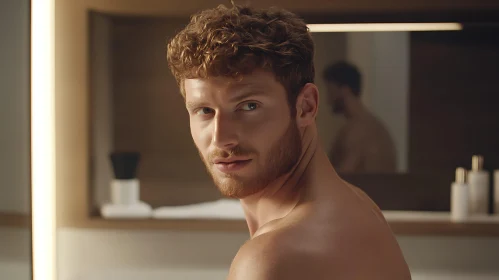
column 279, row 198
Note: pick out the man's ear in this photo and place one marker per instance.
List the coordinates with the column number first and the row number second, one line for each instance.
column 307, row 105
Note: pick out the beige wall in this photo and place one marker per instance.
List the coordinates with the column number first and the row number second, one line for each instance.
column 154, row 255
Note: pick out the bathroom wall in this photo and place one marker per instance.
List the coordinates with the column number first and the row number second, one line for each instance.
column 459, row 93
column 15, row 253
column 15, row 243
column 155, row 255
column 14, row 106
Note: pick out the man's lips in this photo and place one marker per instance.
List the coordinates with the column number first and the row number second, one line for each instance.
column 230, row 160
column 231, row 165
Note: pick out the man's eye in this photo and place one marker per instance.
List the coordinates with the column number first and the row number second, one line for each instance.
column 249, row 106
column 204, row 111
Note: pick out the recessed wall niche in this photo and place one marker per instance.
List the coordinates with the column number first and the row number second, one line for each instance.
column 136, row 106
column 449, row 109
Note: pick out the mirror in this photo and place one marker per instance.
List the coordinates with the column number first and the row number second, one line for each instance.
column 430, row 98
column 408, row 102
column 419, row 105
column 15, row 187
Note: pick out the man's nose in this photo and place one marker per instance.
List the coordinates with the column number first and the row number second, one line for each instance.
column 224, row 132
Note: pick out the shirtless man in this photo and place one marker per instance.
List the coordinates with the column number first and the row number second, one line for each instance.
column 247, row 79
column 363, row 144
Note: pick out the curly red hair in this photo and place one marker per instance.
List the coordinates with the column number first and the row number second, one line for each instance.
column 236, row 41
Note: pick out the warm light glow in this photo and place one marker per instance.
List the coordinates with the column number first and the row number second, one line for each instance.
column 43, row 139
column 380, row 27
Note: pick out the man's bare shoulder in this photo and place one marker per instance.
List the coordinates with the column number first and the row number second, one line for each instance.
column 273, row 256
column 312, row 248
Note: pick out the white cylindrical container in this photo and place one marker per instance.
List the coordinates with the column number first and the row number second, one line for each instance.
column 478, row 181
column 496, row 191
column 459, row 197
column 125, row 192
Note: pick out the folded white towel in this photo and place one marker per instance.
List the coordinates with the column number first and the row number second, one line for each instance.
column 224, row 209
column 123, row 211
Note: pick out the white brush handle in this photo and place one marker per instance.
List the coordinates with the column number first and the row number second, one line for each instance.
column 125, row 192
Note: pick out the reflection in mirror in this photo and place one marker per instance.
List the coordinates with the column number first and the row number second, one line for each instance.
column 409, row 102
column 15, row 222
column 399, row 111
column 402, row 110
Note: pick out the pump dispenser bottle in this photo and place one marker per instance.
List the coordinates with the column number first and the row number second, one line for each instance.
column 478, row 181
column 459, row 197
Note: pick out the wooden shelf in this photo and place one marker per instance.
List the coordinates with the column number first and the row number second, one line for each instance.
column 164, row 224
column 402, row 223
column 439, row 224
column 15, row 220
column 445, row 229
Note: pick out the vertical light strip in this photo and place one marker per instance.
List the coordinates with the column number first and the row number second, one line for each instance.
column 43, row 139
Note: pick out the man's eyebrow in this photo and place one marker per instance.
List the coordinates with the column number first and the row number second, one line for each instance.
column 247, row 93
column 191, row 105
column 236, row 97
